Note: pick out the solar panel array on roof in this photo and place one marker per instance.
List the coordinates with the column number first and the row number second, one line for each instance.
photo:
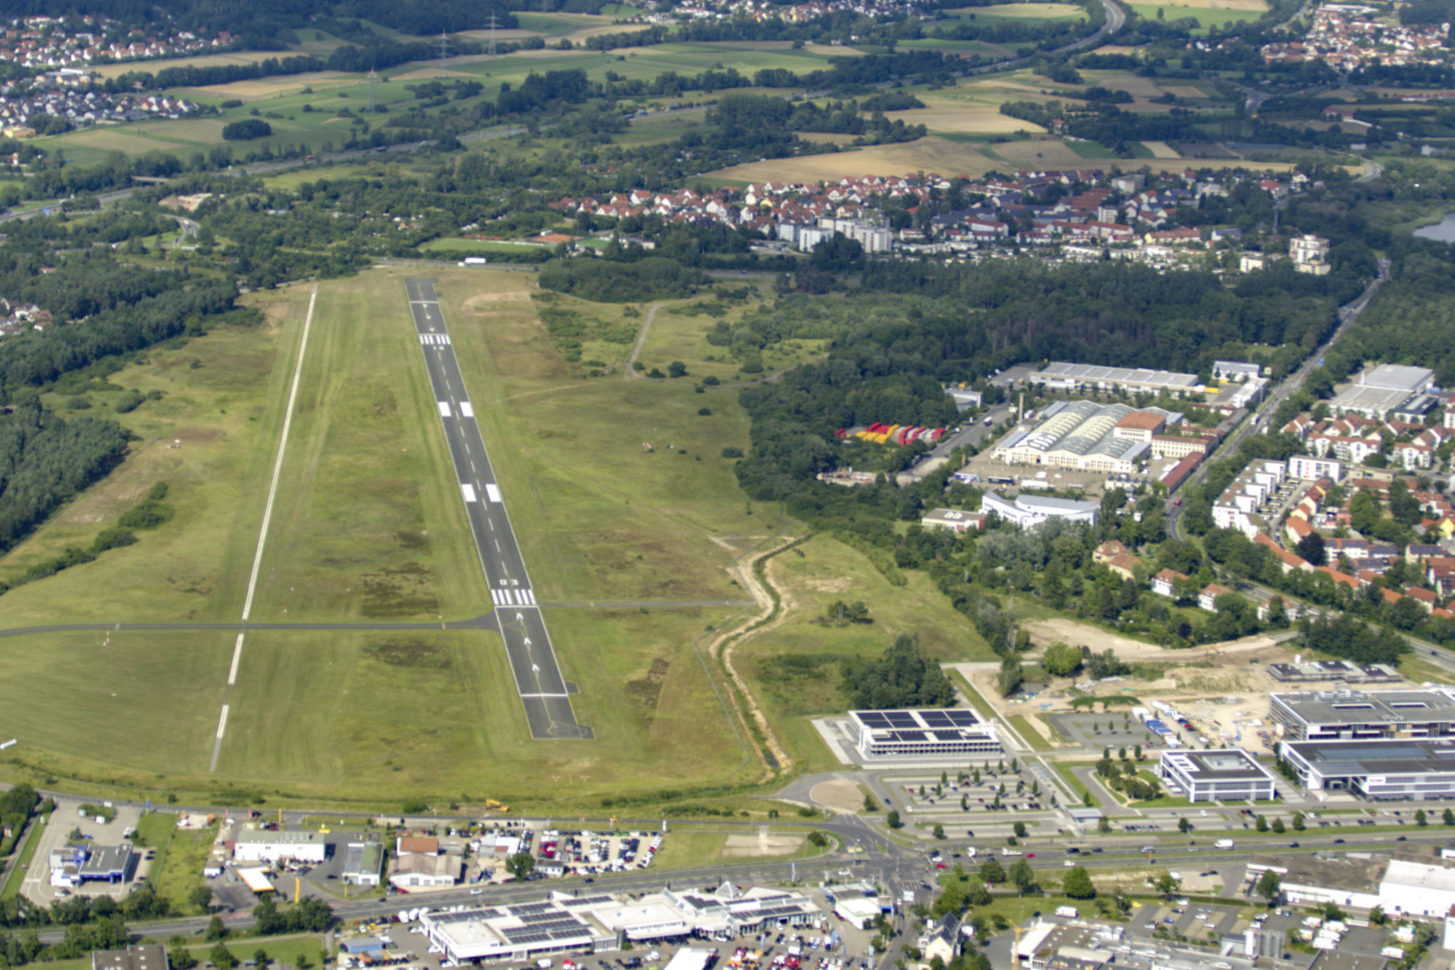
column 589, row 901
column 874, row 719
column 901, row 719
column 530, row 909
column 937, row 718
column 963, row 718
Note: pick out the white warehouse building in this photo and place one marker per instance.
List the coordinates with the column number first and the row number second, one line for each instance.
column 255, row 845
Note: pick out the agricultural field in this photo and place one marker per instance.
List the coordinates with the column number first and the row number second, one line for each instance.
column 368, row 529
column 1208, row 13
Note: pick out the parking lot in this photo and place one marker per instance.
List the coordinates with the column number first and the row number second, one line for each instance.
column 1114, row 730
column 67, row 821
column 838, row 946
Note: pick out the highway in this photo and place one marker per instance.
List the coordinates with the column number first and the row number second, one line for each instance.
column 543, row 691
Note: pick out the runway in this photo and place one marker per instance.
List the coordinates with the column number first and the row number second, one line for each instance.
column 543, row 691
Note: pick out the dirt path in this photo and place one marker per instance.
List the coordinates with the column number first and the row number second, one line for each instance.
column 630, row 369
column 1045, row 632
column 723, row 645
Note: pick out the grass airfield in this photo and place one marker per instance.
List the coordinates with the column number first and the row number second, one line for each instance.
column 368, row 527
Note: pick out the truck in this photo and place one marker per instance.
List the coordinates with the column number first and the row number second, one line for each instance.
column 1223, row 844
column 473, row 261
column 989, row 420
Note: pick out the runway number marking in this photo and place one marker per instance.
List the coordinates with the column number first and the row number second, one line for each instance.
column 492, row 492
column 469, row 491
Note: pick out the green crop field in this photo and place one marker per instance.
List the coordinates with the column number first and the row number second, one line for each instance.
column 368, row 527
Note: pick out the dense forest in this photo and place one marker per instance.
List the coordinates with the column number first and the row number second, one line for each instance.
column 44, row 461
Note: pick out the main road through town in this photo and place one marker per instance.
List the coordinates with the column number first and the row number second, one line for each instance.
column 543, row 691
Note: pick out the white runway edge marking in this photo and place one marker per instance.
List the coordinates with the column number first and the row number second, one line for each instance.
column 492, row 492
column 247, row 609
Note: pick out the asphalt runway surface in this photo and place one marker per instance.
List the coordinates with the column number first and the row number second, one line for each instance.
column 543, row 691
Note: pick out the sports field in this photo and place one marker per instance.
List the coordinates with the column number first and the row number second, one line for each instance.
column 368, row 527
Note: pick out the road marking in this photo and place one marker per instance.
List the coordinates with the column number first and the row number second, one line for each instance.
column 466, row 410
column 491, row 524
column 527, row 597
column 545, row 695
column 492, row 491
column 498, row 595
column 497, row 545
column 469, row 491
column 247, row 609
column 435, row 339
column 444, row 409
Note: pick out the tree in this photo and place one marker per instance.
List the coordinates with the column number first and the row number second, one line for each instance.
column 1062, row 660
column 1078, row 884
column 215, row 930
column 1278, row 825
column 1421, row 818
column 939, row 831
column 520, row 865
column 200, row 897
column 1268, row 886
column 991, row 872
column 1261, row 824
column 892, row 819
column 1184, row 825
column 1020, row 830
column 1298, row 822
column 1167, row 884
column 1023, row 876
column 181, row 958
column 817, row 839
column 1311, row 547
column 871, row 804
column 222, row 956
column 1448, row 818
column 676, row 369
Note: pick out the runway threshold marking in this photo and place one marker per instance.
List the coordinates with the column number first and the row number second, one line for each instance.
column 247, row 609
column 468, row 490
column 492, row 491
column 466, row 411
column 444, row 409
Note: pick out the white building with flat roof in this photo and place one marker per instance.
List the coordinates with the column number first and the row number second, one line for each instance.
column 883, row 735
column 1206, row 776
column 260, row 845
column 1029, row 511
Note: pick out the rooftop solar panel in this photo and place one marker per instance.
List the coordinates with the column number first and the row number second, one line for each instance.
column 873, row 719
column 936, row 718
column 901, row 719
column 963, row 718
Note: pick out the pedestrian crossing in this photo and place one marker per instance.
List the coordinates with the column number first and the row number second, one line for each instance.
column 435, row 339
column 513, row 597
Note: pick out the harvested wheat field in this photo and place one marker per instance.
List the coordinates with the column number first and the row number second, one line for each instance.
column 963, row 119
column 275, row 87
column 1160, row 149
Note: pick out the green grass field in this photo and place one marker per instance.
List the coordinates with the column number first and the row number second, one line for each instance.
column 23, row 859
column 1206, row 17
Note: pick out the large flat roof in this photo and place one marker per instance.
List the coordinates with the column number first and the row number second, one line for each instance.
column 1363, row 707
column 1397, row 377
column 1095, row 373
column 1234, row 764
column 918, row 726
column 1378, row 756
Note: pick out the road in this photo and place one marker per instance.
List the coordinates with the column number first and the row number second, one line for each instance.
column 1290, row 385
column 543, row 691
column 973, row 433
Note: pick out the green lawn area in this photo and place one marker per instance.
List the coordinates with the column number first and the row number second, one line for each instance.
column 179, row 868
column 976, row 699
column 1031, row 735
column 1064, row 769
column 477, row 246
column 24, row 859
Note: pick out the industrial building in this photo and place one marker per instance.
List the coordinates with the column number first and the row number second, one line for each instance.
column 1086, row 436
column 1029, row 511
column 594, row 923
column 363, row 864
column 956, row 520
column 74, row 865
column 1364, row 715
column 1382, row 389
column 1302, row 670
column 882, row 735
column 1208, row 776
column 1386, row 769
column 1402, row 886
column 1059, row 375
column 147, row 956
column 261, row 845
